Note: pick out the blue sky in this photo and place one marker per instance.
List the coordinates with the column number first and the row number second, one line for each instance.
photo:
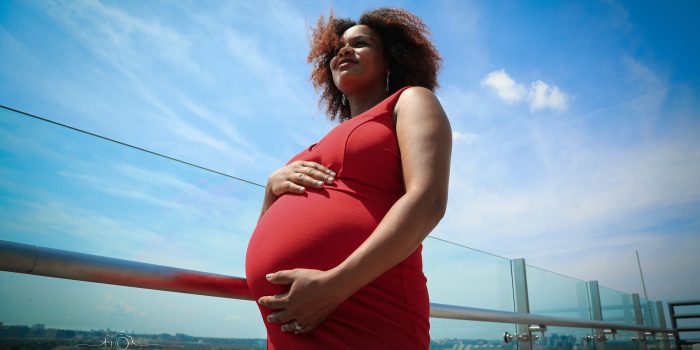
column 576, row 139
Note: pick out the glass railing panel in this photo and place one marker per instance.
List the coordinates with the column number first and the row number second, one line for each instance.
column 651, row 318
column 557, row 295
column 649, row 314
column 616, row 306
column 461, row 276
column 564, row 338
column 465, row 277
column 67, row 312
column 72, row 191
column 462, row 335
column 68, row 190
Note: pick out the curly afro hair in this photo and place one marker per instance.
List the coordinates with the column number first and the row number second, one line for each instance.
column 412, row 58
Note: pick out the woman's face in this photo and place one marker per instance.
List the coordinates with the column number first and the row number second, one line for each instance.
column 359, row 61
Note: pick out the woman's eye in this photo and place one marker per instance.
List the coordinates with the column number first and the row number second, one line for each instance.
column 359, row 43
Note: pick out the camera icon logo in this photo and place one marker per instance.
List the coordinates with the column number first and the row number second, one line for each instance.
column 119, row 340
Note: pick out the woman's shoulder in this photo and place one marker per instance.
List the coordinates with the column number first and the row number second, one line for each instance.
column 417, row 98
column 418, row 91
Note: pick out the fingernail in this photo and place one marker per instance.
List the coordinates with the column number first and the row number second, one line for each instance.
column 329, row 179
column 319, row 183
column 332, row 173
column 269, row 319
column 268, row 276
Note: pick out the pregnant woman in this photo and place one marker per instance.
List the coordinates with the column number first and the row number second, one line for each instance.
column 335, row 259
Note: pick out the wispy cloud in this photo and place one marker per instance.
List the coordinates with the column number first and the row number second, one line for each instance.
column 594, row 190
column 466, row 137
column 121, row 38
column 464, row 106
column 278, row 82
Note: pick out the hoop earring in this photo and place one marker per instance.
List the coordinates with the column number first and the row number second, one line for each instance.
column 387, row 82
column 344, row 100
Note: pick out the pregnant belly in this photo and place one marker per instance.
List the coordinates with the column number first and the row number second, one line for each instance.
column 317, row 230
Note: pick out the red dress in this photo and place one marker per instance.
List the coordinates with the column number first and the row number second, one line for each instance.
column 322, row 227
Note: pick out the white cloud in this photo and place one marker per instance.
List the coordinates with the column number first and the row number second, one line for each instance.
column 466, row 137
column 508, row 90
column 542, row 96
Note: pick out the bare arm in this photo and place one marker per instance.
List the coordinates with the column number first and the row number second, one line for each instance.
column 425, row 142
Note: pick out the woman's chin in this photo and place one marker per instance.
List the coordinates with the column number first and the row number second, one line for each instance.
column 349, row 81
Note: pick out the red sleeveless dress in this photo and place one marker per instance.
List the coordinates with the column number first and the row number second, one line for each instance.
column 322, row 227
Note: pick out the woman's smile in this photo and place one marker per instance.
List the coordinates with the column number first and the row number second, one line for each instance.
column 346, row 61
column 346, row 64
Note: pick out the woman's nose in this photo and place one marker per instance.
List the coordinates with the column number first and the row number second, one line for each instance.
column 344, row 50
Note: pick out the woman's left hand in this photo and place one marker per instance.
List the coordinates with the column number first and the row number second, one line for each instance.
column 312, row 296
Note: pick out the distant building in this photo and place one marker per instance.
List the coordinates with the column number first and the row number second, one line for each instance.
column 64, row 334
column 19, row 331
column 51, row 333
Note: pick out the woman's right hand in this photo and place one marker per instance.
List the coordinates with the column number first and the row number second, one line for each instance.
column 296, row 176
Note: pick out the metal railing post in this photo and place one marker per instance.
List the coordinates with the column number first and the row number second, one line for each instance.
column 522, row 303
column 674, row 324
column 639, row 320
column 597, row 314
column 662, row 324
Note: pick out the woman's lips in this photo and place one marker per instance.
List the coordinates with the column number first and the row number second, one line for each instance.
column 345, row 64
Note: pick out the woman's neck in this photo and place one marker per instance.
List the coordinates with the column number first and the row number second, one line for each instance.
column 361, row 101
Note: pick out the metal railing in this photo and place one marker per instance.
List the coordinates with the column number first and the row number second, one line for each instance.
column 675, row 316
column 43, row 261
